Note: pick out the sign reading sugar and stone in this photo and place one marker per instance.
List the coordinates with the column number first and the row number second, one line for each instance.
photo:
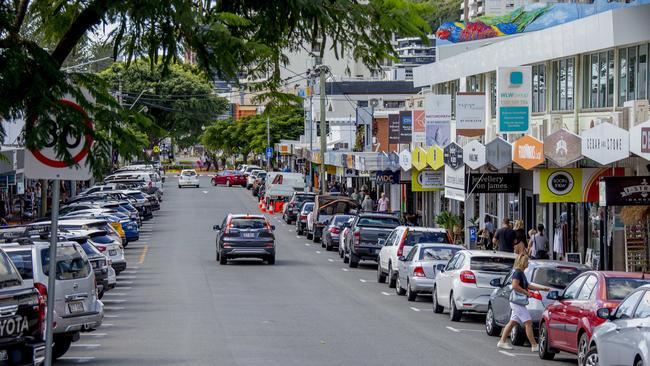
column 605, row 143
column 453, row 156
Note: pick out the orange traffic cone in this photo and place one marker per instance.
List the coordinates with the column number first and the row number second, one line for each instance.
column 263, row 207
column 270, row 210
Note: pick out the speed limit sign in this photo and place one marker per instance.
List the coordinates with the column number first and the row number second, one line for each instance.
column 44, row 163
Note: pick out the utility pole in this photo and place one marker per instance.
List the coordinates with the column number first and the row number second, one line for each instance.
column 268, row 144
column 323, row 128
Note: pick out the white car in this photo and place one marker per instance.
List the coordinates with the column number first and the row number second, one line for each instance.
column 399, row 243
column 309, row 230
column 464, row 283
column 252, row 176
column 112, row 276
column 625, row 338
column 188, row 177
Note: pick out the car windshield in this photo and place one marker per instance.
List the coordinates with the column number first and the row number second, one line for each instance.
column 304, row 198
column 618, row 288
column 101, row 239
column 416, row 237
column 9, row 276
column 492, row 264
column 89, row 249
column 382, row 222
column 556, row 277
column 189, row 173
column 246, row 223
column 437, row 253
column 261, row 175
column 70, row 264
column 341, row 219
column 308, row 208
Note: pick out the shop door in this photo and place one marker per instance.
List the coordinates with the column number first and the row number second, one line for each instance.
column 529, row 210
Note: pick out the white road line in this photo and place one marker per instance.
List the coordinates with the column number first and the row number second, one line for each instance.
column 77, row 359
column 124, row 283
column 385, row 293
column 453, row 329
column 344, row 269
column 107, row 325
column 123, row 288
column 307, row 244
column 415, row 309
column 298, row 236
column 526, row 354
column 93, row 334
column 457, row 330
column 362, row 280
column 318, row 252
column 330, row 260
column 86, row 345
column 114, row 308
column 130, row 272
column 113, row 301
column 111, row 316
column 126, row 277
column 505, row 352
column 205, row 192
column 111, row 293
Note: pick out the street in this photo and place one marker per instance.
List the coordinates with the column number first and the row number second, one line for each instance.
column 176, row 305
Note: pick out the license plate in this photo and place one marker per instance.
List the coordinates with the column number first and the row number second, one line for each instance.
column 76, row 307
column 248, row 235
column 112, row 252
column 4, row 356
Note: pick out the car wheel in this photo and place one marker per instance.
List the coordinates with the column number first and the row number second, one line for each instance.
column 213, row 182
column 583, row 348
column 381, row 276
column 315, row 238
column 454, row 313
column 436, row 306
column 591, row 359
column 228, row 184
column 217, row 256
column 544, row 347
column 354, row 261
column 179, row 186
column 329, row 247
column 398, row 287
column 61, row 346
column 346, row 259
column 639, row 362
column 410, row 294
column 517, row 337
column 491, row 327
column 271, row 260
column 392, row 280
column 101, row 294
column 309, row 235
column 223, row 259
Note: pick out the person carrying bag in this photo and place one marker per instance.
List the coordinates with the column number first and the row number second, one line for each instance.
column 538, row 246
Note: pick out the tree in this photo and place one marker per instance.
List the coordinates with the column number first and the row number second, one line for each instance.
column 445, row 11
column 226, row 37
column 180, row 102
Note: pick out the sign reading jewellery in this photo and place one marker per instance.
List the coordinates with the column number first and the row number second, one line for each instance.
column 605, row 143
column 563, row 147
column 622, row 191
column 493, row 183
column 514, row 99
column 453, row 156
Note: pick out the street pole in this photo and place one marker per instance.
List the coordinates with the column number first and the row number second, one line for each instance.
column 51, row 278
column 323, row 129
column 268, row 143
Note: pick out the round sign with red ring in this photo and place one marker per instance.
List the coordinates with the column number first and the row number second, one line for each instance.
column 81, row 154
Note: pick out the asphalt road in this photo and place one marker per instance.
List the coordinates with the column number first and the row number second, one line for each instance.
column 175, row 305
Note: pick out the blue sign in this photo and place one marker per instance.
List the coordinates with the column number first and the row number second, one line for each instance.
column 387, row 176
column 269, row 152
column 472, row 234
column 513, row 119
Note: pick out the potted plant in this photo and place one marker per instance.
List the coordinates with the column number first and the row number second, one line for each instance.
column 447, row 220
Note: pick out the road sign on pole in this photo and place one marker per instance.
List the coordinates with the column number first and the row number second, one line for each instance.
column 269, row 152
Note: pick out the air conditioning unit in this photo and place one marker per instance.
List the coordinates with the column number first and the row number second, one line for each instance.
column 557, row 122
column 638, row 111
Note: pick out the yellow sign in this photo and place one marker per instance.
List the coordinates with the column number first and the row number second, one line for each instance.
column 560, row 185
column 435, row 157
column 331, row 169
column 419, row 158
column 156, row 149
column 427, row 180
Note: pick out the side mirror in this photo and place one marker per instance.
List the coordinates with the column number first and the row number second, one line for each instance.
column 496, row 282
column 553, row 295
column 216, row 228
column 381, row 242
column 440, row 267
column 273, row 227
column 604, row 313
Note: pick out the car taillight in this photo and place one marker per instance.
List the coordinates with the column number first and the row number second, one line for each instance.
column 42, row 307
column 334, row 230
column 101, row 248
column 418, row 272
column 303, row 217
column 356, row 238
column 400, row 249
column 467, row 277
column 535, row 295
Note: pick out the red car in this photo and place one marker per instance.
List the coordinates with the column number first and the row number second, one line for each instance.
column 567, row 324
column 229, row 178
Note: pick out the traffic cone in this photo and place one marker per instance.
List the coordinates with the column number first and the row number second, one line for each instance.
column 263, row 207
column 270, row 210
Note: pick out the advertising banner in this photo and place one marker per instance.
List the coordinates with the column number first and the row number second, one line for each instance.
column 605, row 143
column 405, row 160
column 455, row 183
column 563, row 147
column 470, row 114
column 492, row 183
column 474, row 154
column 498, row 153
column 393, row 128
column 573, row 184
column 387, row 176
column 514, row 99
column 419, row 158
column 405, row 127
column 640, row 140
column 453, row 155
column 435, row 157
column 427, row 180
column 437, row 119
column 528, row 152
column 419, row 130
column 624, row 191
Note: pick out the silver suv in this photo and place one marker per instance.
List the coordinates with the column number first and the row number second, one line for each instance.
column 77, row 307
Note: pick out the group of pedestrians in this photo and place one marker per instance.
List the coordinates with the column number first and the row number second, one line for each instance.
column 513, row 238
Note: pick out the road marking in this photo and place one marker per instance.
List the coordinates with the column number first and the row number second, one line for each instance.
column 77, row 359
column 107, row 324
column 111, row 316
column 362, row 280
column 111, row 293
column 95, row 334
column 123, row 288
column 205, row 192
column 298, row 236
column 144, row 254
column 127, row 277
column 318, row 252
column 330, row 260
column 86, row 345
column 525, row 354
column 505, row 352
column 453, row 329
column 116, row 308
column 415, row 309
column 123, row 282
column 458, row 330
column 307, row 244
column 113, row 301
column 385, row 293
column 130, row 272
column 344, row 269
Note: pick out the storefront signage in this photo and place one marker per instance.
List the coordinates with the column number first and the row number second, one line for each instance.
column 453, row 155
column 387, row 176
column 640, row 140
column 470, row 114
column 624, row 191
column 427, row 180
column 514, row 98
column 563, row 147
column 437, row 119
column 419, row 158
column 405, row 127
column 455, row 183
column 435, row 157
column 528, row 152
column 498, row 153
column 474, row 154
column 419, row 129
column 393, row 128
column 572, row 184
column 605, row 143
column 405, row 161
column 492, row 183
column 393, row 161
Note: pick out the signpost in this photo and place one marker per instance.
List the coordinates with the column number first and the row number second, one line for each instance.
column 44, row 164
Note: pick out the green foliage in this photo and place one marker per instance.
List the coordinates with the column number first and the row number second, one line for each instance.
column 448, row 220
column 443, row 11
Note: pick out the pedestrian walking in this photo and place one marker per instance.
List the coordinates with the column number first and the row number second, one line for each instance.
column 538, row 245
column 518, row 301
column 520, row 237
column 487, row 224
column 356, row 196
column 505, row 237
column 382, row 204
column 367, row 205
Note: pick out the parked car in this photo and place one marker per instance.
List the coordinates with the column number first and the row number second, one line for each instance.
column 553, row 274
column 567, row 324
column 416, row 270
column 250, row 179
column 258, row 183
column 464, row 283
column 245, row 236
column 326, row 206
column 363, row 241
column 345, row 230
column 22, row 331
column 625, row 338
column 398, row 243
column 229, row 178
column 98, row 261
column 188, row 178
column 301, row 221
column 332, row 231
column 292, row 208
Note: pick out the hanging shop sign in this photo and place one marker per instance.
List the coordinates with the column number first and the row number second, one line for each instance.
column 427, row 180
column 474, row 154
column 405, row 127
column 514, row 99
column 624, row 191
column 573, row 184
column 455, row 183
column 470, row 114
column 405, row 161
column 563, row 147
column 419, row 129
column 387, row 176
column 528, row 152
column 498, row 153
column 605, row 143
column 393, row 161
column 453, row 156
column 640, row 140
column 437, row 119
column 419, row 158
column 393, row 128
column 435, row 157
column 492, row 183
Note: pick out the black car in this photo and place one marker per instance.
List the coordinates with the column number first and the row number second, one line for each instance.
column 332, row 232
column 365, row 231
column 301, row 220
column 245, row 236
column 21, row 334
column 293, row 206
